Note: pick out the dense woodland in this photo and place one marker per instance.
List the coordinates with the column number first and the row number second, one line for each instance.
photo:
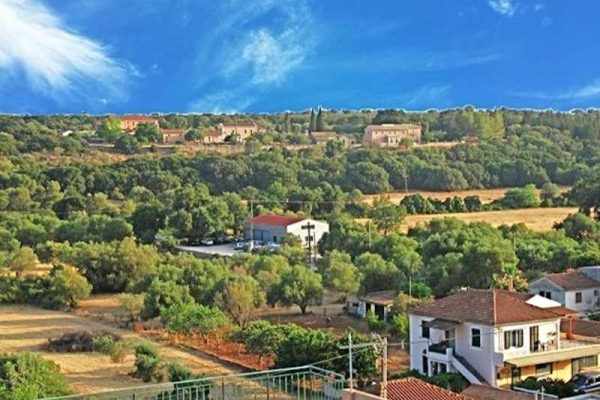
column 112, row 227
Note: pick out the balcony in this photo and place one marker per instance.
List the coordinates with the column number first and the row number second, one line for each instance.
column 304, row 383
column 567, row 350
column 441, row 347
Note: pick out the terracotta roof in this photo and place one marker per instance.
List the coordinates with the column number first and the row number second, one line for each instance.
column 137, row 118
column 384, row 297
column 581, row 327
column 572, row 280
column 483, row 392
column 275, row 220
column 488, row 307
column 416, row 389
column 562, row 311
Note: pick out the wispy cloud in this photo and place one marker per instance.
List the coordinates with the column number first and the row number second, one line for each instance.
column 253, row 56
column 428, row 96
column 503, row 7
column 35, row 43
column 588, row 91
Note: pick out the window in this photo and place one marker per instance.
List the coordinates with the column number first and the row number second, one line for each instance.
column 475, row 337
column 424, row 332
column 546, row 293
column 513, row 338
column 543, row 369
column 596, row 292
column 534, row 338
column 578, row 297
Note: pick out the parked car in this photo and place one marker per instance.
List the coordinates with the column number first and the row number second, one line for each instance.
column 240, row 245
column 586, row 381
column 207, row 242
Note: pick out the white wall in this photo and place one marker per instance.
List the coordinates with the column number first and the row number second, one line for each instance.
column 543, row 284
column 589, row 300
column 482, row 358
column 417, row 343
column 548, row 331
column 320, row 229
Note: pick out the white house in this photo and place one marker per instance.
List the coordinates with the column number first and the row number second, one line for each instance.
column 577, row 290
column 272, row 228
column 496, row 337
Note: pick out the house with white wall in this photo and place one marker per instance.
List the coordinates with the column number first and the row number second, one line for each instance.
column 380, row 303
column 272, row 228
column 577, row 290
column 496, row 337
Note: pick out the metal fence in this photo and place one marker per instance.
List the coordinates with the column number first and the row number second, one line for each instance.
column 300, row 383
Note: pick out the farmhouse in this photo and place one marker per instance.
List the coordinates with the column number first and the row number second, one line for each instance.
column 213, row 137
column 172, row 136
column 129, row 123
column 391, row 135
column 322, row 137
column 497, row 337
column 242, row 129
column 578, row 289
column 379, row 303
column 273, row 228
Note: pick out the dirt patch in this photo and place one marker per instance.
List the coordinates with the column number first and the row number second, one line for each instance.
column 25, row 328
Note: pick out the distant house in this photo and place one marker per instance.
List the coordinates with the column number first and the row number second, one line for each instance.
column 577, row 289
column 322, row 137
column 379, row 302
column 173, row 136
column 391, row 135
column 242, row 129
column 213, row 136
column 273, row 228
column 129, row 123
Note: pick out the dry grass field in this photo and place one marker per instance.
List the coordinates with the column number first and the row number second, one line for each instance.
column 537, row 219
column 486, row 195
column 25, row 328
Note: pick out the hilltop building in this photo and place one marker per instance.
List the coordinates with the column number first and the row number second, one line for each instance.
column 391, row 135
column 129, row 123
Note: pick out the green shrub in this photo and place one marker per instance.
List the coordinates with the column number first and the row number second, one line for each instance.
column 374, row 323
column 104, row 344
column 118, row 352
column 27, row 376
column 555, row 387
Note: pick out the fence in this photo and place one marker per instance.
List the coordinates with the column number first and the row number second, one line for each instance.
column 299, row 383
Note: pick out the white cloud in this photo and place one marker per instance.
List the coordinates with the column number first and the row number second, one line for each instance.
column 428, row 96
column 255, row 46
column 35, row 43
column 504, row 7
column 588, row 91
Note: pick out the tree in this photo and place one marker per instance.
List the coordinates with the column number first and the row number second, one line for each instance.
column 386, row 215
column 312, row 126
column 26, row 376
column 191, row 318
column 161, row 294
column 132, row 305
column 525, row 197
column 340, row 273
column 304, row 346
column 193, row 135
column 586, row 193
column 147, row 133
column 66, row 287
column 68, row 206
column 377, row 274
column 367, row 177
column 300, row 286
column 23, row 260
column 549, row 193
column 579, row 227
column 110, row 129
column 240, row 298
column 484, row 260
column 320, row 124
column 127, row 144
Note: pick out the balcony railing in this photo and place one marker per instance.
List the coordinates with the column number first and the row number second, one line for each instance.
column 442, row 346
column 305, row 383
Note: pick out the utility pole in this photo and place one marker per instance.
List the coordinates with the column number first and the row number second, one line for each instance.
column 309, row 227
column 384, row 369
column 251, row 247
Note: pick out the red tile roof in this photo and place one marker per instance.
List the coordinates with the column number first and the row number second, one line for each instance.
column 275, row 220
column 416, row 389
column 573, row 280
column 489, row 307
column 581, row 327
column 482, row 392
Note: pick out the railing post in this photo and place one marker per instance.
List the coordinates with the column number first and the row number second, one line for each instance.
column 268, row 387
column 222, row 388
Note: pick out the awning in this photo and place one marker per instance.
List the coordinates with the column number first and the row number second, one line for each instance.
column 556, row 355
column 438, row 323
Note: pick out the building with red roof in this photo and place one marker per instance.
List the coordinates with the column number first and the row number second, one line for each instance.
column 272, row 228
column 129, row 123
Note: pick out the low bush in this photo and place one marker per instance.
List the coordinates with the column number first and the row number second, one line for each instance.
column 83, row 341
column 555, row 387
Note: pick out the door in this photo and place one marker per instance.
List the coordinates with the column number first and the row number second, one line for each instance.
column 534, row 338
column 449, row 337
column 425, row 366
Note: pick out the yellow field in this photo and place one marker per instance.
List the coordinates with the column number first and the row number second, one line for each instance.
column 485, row 195
column 537, row 219
column 25, row 328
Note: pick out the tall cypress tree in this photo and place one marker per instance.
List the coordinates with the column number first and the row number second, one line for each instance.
column 313, row 121
column 319, row 124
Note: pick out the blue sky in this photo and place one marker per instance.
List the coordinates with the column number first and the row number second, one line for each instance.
column 98, row 56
